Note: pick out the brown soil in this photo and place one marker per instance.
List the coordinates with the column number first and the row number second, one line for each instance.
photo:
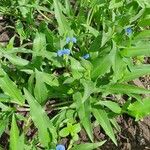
column 133, row 136
column 5, row 31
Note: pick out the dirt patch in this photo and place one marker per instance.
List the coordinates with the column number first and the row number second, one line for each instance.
column 133, row 136
column 5, row 32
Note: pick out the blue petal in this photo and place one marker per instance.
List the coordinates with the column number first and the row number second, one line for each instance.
column 66, row 51
column 86, row 56
column 60, row 147
column 68, row 40
column 128, row 31
column 59, row 53
column 74, row 40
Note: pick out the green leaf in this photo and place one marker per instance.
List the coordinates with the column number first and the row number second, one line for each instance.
column 89, row 88
column 111, row 105
column 102, row 118
column 137, row 16
column 115, row 124
column 136, row 51
column 144, row 3
column 140, row 110
column 106, row 36
column 91, row 30
column 125, row 89
column 76, row 68
column 96, row 44
column 62, row 22
column 49, row 79
column 21, row 144
column 118, row 65
column 14, row 135
column 10, row 88
column 76, row 128
column 136, row 72
column 76, row 65
column 145, row 22
column 57, row 119
column 88, row 146
column 20, row 30
column 144, row 35
column 39, row 43
column 15, row 60
column 46, row 130
column 40, row 90
column 3, row 124
column 4, row 97
column 39, row 48
column 68, row 7
column 101, row 66
column 64, row 132
column 84, row 114
column 114, row 4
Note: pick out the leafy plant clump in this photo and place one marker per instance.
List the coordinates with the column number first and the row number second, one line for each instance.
column 73, row 67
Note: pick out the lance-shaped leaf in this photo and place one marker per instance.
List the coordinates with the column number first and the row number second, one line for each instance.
column 89, row 88
column 18, row 61
column 62, row 22
column 84, row 113
column 111, row 105
column 125, row 89
column 136, row 51
column 102, row 118
column 46, row 130
column 10, row 88
column 40, row 90
column 101, row 66
column 88, row 146
column 136, row 72
column 16, row 141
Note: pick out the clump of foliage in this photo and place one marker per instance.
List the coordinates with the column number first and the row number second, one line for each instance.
column 71, row 69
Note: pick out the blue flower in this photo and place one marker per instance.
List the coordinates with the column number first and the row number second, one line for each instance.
column 86, row 56
column 60, row 147
column 74, row 40
column 63, row 52
column 68, row 40
column 128, row 31
column 66, row 51
column 60, row 53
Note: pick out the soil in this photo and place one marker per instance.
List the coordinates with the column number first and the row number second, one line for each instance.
column 133, row 136
column 5, row 32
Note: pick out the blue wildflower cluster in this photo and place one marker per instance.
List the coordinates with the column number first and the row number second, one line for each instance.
column 60, row 147
column 73, row 40
column 67, row 51
column 128, row 31
column 63, row 52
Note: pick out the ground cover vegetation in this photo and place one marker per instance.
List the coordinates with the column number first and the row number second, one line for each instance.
column 70, row 66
